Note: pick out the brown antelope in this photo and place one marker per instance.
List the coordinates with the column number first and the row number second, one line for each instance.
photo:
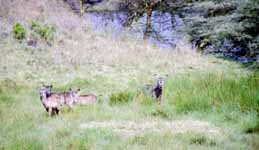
column 158, row 89
column 52, row 103
column 84, row 99
column 70, row 97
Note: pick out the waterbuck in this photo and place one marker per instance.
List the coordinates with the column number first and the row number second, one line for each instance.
column 158, row 90
column 52, row 103
column 84, row 99
column 70, row 97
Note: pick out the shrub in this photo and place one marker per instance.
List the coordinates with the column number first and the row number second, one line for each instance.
column 44, row 31
column 121, row 97
column 227, row 27
column 19, row 31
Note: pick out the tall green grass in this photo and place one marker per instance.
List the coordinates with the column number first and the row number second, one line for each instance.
column 234, row 100
column 26, row 125
column 206, row 91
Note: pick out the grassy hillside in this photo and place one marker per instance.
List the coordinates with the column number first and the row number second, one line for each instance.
column 209, row 103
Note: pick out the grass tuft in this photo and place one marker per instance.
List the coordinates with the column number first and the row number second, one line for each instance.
column 121, row 97
column 19, row 31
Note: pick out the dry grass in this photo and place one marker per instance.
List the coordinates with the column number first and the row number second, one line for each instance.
column 87, row 54
column 131, row 128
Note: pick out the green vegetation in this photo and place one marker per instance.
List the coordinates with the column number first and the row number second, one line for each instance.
column 121, row 97
column 44, row 31
column 216, row 98
column 19, row 31
column 226, row 27
column 208, row 91
column 209, row 103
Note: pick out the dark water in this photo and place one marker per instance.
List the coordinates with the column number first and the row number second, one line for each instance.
column 166, row 29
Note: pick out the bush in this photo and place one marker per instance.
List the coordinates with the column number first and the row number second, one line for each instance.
column 121, row 97
column 44, row 31
column 19, row 31
column 229, row 28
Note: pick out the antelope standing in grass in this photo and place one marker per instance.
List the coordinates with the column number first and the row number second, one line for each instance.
column 84, row 99
column 68, row 98
column 158, row 90
column 52, row 103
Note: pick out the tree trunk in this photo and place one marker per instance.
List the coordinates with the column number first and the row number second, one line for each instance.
column 149, row 11
column 81, row 8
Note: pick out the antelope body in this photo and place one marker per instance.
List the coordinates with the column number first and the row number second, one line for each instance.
column 52, row 103
column 158, row 90
column 86, row 99
column 83, row 99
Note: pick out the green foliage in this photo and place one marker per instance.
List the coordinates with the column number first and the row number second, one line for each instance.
column 226, row 26
column 77, row 83
column 250, row 123
column 44, row 31
column 29, row 144
column 210, row 91
column 7, row 88
column 145, row 98
column 5, row 98
column 121, row 97
column 19, row 31
column 254, row 129
column 160, row 112
column 201, row 139
column 249, row 15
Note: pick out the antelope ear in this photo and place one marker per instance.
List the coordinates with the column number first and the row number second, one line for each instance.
column 156, row 75
column 43, row 84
